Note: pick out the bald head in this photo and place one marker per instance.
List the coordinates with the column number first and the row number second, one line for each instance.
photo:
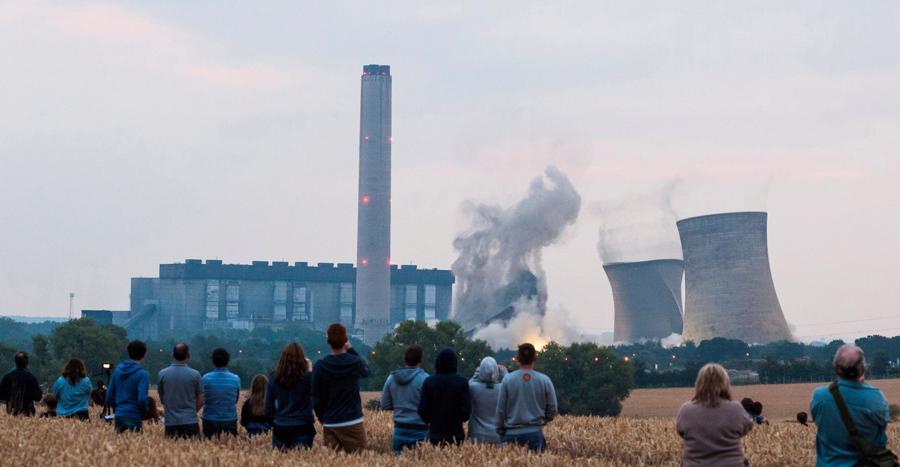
column 181, row 352
column 850, row 363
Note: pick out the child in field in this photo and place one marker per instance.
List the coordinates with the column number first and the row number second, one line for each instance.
column 50, row 404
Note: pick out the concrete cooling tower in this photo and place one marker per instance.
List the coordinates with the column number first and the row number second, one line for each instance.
column 646, row 298
column 729, row 288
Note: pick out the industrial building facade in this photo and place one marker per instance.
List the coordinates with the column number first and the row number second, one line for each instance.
column 194, row 296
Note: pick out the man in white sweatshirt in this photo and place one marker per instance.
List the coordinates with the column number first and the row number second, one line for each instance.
column 527, row 403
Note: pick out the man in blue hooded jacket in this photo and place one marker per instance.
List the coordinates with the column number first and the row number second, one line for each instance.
column 445, row 403
column 127, row 392
column 401, row 393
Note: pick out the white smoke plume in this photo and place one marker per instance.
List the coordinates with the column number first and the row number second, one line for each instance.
column 529, row 325
column 639, row 228
column 499, row 261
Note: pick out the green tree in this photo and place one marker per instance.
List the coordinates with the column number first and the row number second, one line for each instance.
column 589, row 379
column 387, row 354
column 85, row 339
column 879, row 364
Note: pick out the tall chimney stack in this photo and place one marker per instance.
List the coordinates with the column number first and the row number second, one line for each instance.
column 373, row 236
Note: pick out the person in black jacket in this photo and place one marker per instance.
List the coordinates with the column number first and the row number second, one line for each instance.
column 445, row 404
column 253, row 412
column 20, row 389
column 335, row 393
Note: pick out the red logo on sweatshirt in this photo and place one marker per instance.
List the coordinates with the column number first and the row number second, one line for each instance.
column 527, row 376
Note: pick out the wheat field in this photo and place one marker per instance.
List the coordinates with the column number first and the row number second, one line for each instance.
column 572, row 441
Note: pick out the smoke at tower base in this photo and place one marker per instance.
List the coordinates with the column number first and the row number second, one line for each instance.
column 498, row 271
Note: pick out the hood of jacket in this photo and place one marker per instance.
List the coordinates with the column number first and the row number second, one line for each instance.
column 488, row 371
column 339, row 365
column 404, row 376
column 128, row 368
column 446, row 362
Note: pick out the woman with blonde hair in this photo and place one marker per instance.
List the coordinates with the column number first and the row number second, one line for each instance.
column 253, row 412
column 712, row 424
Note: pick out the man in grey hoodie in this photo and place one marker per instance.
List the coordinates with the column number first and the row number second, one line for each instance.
column 484, row 388
column 401, row 393
column 527, row 403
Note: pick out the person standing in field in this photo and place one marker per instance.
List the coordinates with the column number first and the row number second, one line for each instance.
column 526, row 403
column 711, row 424
column 335, row 393
column 253, row 412
column 288, row 400
column 127, row 392
column 484, row 388
column 866, row 406
column 20, row 389
column 401, row 393
column 180, row 390
column 445, row 403
column 221, row 390
column 73, row 391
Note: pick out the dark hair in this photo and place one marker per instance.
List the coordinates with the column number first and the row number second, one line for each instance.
column 802, row 418
column 51, row 401
column 74, row 371
column 220, row 358
column 291, row 365
column 757, row 408
column 21, row 359
column 337, row 336
column 747, row 404
column 527, row 354
column 413, row 355
column 137, row 350
column 181, row 352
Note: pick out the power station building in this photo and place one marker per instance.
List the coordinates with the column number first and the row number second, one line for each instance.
column 729, row 291
column 373, row 235
column 193, row 296
column 646, row 298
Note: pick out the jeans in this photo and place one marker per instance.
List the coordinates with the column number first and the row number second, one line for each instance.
column 128, row 424
column 534, row 440
column 256, row 428
column 292, row 437
column 212, row 429
column 406, row 438
column 189, row 430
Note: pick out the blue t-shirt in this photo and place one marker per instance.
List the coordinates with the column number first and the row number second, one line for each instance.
column 869, row 410
column 221, row 389
column 71, row 397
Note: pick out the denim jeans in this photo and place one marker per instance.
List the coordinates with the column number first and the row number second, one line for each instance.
column 292, row 437
column 186, row 431
column 128, row 424
column 534, row 440
column 256, row 428
column 211, row 429
column 406, row 438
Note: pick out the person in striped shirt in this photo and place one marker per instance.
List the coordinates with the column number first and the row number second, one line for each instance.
column 221, row 389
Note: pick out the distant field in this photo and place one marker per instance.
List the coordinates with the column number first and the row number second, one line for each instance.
column 781, row 401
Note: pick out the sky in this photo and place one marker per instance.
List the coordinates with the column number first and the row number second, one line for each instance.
column 140, row 133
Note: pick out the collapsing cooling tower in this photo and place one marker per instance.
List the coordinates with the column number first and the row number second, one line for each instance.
column 729, row 288
column 646, row 298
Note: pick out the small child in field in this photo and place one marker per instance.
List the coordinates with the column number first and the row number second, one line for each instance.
column 50, row 403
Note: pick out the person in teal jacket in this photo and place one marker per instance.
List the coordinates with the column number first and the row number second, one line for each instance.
column 867, row 406
column 73, row 391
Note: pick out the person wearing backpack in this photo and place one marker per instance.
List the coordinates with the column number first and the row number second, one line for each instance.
column 20, row 389
column 851, row 416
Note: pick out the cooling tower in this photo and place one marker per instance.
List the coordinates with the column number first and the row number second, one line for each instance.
column 729, row 288
column 647, row 298
column 373, row 234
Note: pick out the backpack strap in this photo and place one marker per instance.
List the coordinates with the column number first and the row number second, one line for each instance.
column 861, row 444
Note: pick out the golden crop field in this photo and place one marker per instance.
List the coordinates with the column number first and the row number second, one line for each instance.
column 572, row 441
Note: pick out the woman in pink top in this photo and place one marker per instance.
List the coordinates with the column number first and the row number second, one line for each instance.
column 712, row 424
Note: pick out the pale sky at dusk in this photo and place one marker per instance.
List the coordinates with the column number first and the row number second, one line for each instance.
column 139, row 133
